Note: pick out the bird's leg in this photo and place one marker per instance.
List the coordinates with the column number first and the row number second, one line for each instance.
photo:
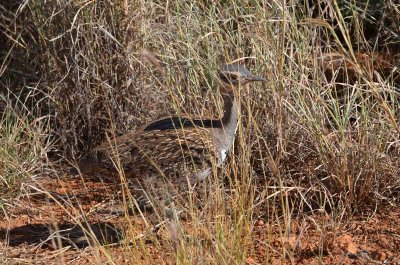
column 173, row 225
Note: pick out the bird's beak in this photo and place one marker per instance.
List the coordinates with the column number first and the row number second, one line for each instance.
column 257, row 78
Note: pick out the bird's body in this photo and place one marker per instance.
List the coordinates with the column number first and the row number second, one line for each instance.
column 170, row 151
column 180, row 146
column 172, row 146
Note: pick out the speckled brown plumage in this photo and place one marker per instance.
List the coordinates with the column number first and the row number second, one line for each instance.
column 167, row 152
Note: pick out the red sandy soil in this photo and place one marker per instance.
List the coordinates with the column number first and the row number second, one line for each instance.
column 25, row 236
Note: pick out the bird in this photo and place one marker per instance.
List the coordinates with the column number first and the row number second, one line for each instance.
column 181, row 149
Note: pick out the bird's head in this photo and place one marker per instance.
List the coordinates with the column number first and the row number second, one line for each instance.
column 236, row 75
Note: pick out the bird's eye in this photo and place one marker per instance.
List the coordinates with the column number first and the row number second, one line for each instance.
column 229, row 78
column 232, row 78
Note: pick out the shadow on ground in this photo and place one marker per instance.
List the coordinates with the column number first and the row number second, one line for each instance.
column 61, row 235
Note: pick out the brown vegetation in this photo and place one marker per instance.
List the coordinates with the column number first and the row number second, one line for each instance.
column 314, row 176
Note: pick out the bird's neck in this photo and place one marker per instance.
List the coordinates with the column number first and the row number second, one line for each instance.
column 231, row 113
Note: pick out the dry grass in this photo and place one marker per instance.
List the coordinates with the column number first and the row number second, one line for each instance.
column 321, row 136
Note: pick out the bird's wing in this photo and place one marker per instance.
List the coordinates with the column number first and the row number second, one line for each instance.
column 166, row 150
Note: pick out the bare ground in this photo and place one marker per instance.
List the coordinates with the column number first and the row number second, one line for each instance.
column 40, row 227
